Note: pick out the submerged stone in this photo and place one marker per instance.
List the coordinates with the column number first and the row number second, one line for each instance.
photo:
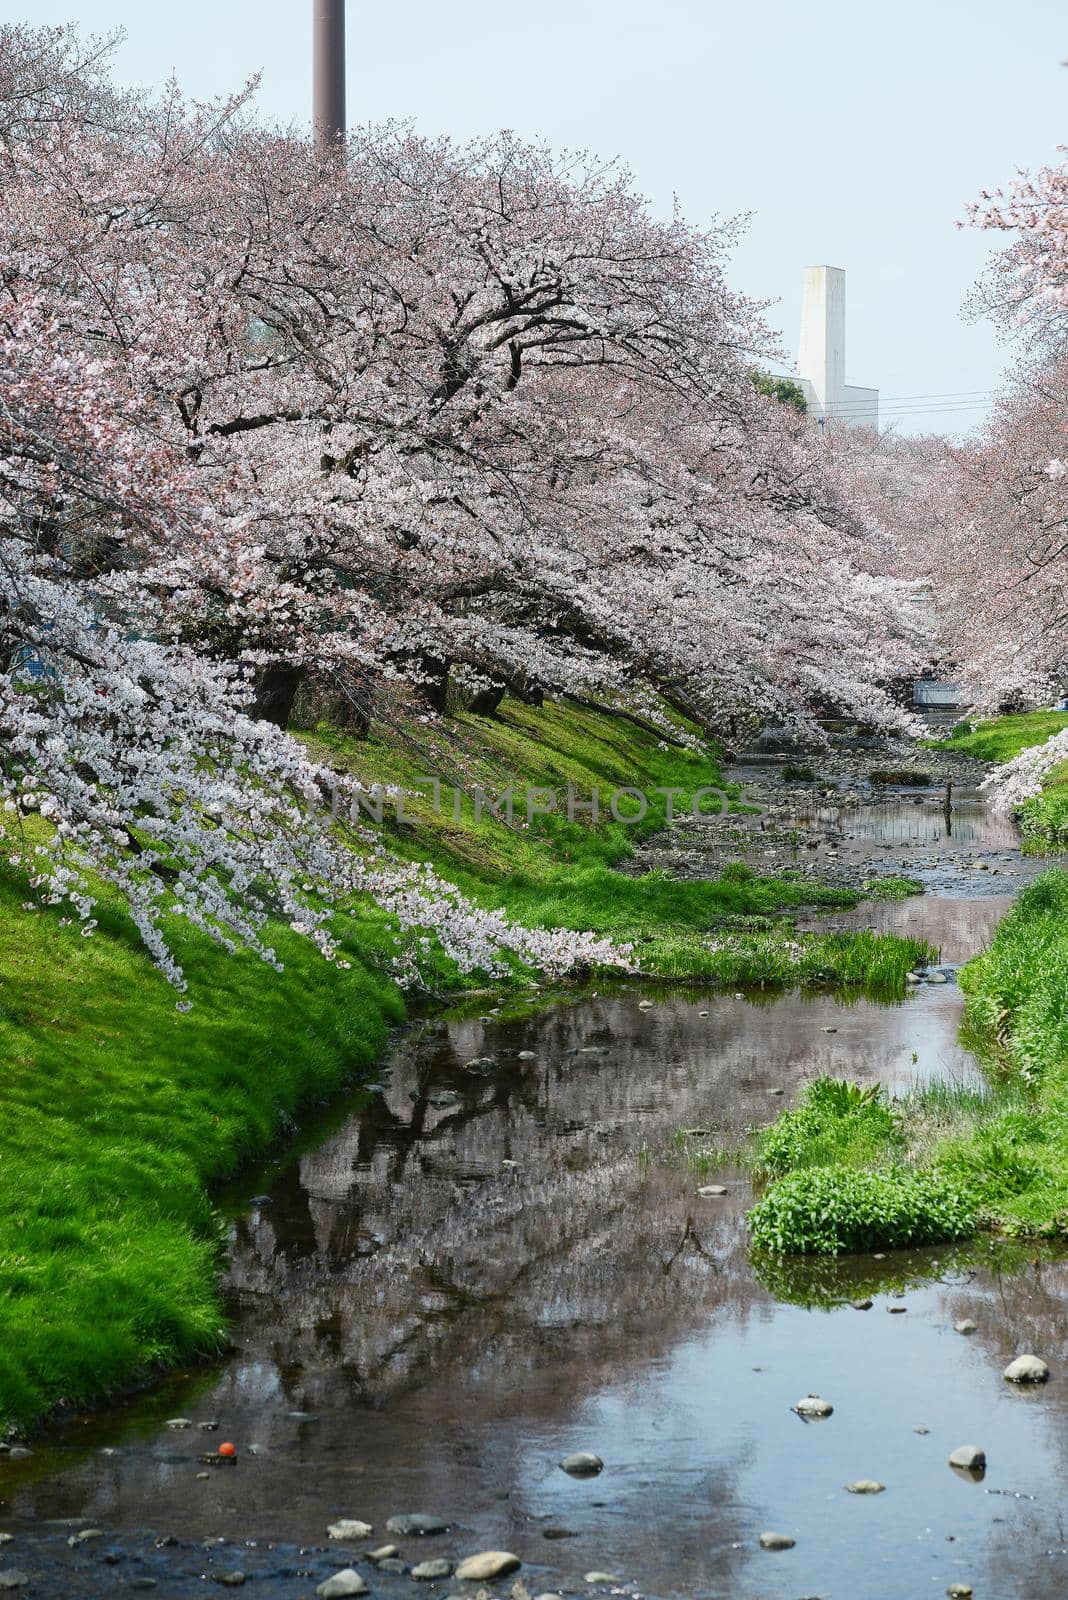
column 583, row 1464
column 776, row 1541
column 416, row 1524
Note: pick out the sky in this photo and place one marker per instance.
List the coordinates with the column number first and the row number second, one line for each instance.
column 850, row 133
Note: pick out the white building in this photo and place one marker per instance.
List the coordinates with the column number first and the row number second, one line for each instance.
column 821, row 357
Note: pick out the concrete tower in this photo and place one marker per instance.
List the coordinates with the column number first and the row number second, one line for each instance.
column 821, row 357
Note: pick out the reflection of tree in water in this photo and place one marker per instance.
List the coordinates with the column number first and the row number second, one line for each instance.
column 407, row 1230
column 450, row 1318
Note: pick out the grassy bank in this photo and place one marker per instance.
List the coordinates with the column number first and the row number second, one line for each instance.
column 1044, row 819
column 552, row 871
column 850, row 1170
column 118, row 1112
column 1001, row 738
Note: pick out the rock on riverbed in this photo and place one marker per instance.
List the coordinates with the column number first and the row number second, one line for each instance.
column 342, row 1585
column 813, row 1407
column 776, row 1541
column 969, row 1458
column 350, row 1528
column 1027, row 1369
column 487, row 1565
column 418, row 1523
column 583, row 1464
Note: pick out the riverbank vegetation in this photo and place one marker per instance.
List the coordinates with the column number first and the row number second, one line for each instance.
column 1022, row 741
column 119, row 1111
column 999, row 739
column 946, row 1159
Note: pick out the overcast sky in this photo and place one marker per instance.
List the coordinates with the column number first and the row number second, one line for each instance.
column 853, row 133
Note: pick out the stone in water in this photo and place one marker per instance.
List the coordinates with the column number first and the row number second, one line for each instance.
column 418, row 1523
column 583, row 1464
column 350, row 1528
column 487, row 1565
column 813, row 1406
column 776, row 1541
column 426, row 1570
column 968, row 1458
column 342, row 1585
column 1027, row 1369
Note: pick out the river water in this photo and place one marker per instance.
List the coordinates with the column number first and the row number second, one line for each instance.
column 497, row 1255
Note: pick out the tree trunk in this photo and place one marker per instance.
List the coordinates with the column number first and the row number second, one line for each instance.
column 276, row 690
column 486, row 701
column 434, row 689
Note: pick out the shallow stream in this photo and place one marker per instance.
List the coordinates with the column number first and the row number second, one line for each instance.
column 498, row 1256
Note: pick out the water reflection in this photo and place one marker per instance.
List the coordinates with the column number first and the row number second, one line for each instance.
column 481, row 1270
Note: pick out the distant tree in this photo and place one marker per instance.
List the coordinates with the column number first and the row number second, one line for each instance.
column 786, row 390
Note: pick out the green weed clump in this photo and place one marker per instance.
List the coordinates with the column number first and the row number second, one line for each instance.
column 793, row 773
column 892, row 888
column 834, row 1209
column 836, row 1121
column 904, row 777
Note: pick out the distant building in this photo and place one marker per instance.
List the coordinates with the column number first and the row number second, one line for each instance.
column 821, row 357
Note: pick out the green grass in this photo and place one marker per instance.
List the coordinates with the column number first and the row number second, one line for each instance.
column 1003, row 1147
column 892, row 888
column 835, row 1122
column 553, row 872
column 1044, row 819
column 1002, row 737
column 118, row 1113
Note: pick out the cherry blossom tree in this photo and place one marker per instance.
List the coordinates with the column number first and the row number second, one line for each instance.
column 426, row 414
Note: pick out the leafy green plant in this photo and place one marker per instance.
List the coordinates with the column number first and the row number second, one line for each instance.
column 830, row 1210
column 792, row 773
column 835, row 1121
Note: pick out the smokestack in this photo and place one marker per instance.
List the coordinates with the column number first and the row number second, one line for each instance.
column 328, row 72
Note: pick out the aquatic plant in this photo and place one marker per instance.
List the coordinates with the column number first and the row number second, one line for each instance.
column 828, row 1210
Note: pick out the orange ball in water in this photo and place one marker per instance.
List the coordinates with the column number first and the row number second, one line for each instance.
column 227, row 1449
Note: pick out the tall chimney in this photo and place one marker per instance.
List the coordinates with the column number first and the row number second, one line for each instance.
column 328, row 72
